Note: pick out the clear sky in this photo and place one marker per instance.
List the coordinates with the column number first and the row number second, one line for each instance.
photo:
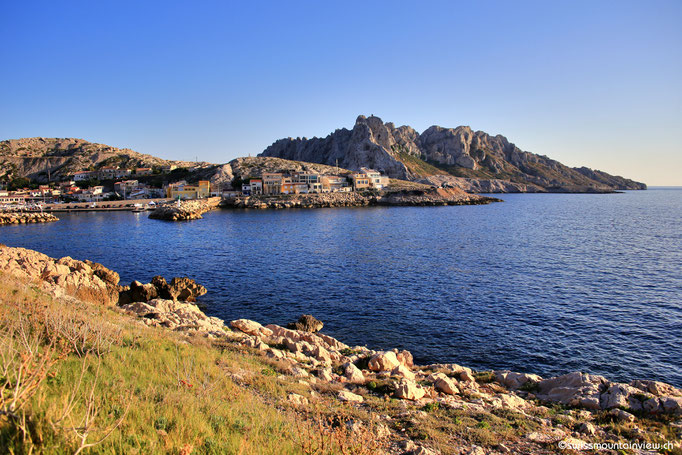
column 593, row 83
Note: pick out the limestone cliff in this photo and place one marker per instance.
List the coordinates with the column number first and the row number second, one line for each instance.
column 459, row 157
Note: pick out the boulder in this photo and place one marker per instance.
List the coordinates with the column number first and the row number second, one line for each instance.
column 183, row 289
column 657, row 388
column 325, row 374
column 513, row 380
column 621, row 415
column 297, row 399
column 587, row 428
column 383, row 361
column 176, row 316
column 671, row 405
column 108, row 276
column 446, row 385
column 350, row 397
column 402, row 371
column 574, row 389
column 306, row 323
column 405, row 358
column 250, row 327
column 353, row 374
column 623, row 395
column 138, row 292
column 409, row 390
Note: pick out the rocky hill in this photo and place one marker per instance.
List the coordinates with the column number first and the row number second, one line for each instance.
column 460, row 157
column 34, row 157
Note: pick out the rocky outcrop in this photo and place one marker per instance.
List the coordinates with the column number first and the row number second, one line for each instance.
column 184, row 210
column 481, row 161
column 417, row 196
column 174, row 315
column 84, row 280
column 306, row 323
column 26, row 218
column 180, row 289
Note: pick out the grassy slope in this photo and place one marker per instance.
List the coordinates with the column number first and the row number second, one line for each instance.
column 155, row 391
column 170, row 394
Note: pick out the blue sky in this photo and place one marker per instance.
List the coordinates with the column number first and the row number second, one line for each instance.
column 588, row 83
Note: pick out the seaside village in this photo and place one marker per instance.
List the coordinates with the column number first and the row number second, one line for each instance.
column 115, row 184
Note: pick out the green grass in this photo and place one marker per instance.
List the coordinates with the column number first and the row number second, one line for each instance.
column 150, row 390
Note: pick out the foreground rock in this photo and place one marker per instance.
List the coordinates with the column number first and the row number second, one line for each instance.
column 85, row 280
column 175, row 315
column 26, row 218
column 307, row 323
column 184, row 210
column 181, row 289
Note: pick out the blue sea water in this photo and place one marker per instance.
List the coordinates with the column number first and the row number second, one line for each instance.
column 542, row 283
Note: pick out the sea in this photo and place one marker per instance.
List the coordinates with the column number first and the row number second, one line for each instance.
column 539, row 283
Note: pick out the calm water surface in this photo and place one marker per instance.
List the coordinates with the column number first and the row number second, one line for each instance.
column 540, row 283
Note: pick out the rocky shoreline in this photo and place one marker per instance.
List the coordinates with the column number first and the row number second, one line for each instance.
column 407, row 197
column 26, row 218
column 184, row 210
column 593, row 405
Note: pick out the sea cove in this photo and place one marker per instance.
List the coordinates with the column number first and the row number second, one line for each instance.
column 546, row 283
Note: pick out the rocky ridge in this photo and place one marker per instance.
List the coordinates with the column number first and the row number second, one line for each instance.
column 467, row 159
column 33, row 157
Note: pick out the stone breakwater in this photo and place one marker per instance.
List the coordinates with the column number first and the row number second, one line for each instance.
column 26, row 217
column 415, row 197
column 184, row 210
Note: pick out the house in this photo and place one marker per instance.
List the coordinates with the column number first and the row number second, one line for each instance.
column 376, row 180
column 256, row 187
column 333, row 183
column 360, row 181
column 246, row 189
column 81, row 176
column 12, row 198
column 92, row 194
column 183, row 190
column 306, row 177
column 126, row 187
column 294, row 188
column 113, row 173
column 143, row 171
column 170, row 167
column 272, row 183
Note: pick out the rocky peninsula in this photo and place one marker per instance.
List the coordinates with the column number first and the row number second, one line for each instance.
column 26, row 217
column 184, row 210
column 401, row 407
column 413, row 196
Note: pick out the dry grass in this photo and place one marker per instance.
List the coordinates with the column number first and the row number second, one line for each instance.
column 77, row 376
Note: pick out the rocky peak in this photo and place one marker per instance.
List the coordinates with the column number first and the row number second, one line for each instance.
column 460, row 152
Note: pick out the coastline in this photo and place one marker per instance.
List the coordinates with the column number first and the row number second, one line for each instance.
column 356, row 376
column 400, row 197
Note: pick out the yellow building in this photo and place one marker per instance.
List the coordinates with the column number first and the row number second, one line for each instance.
column 360, row 181
column 184, row 191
